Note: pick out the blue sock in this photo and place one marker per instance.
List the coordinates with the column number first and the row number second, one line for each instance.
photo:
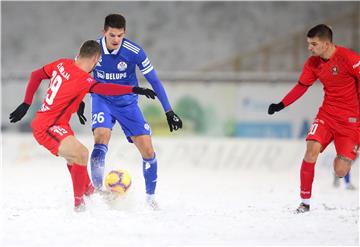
column 97, row 162
column 347, row 178
column 150, row 174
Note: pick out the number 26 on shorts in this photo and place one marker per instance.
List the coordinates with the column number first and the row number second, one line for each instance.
column 98, row 118
column 313, row 128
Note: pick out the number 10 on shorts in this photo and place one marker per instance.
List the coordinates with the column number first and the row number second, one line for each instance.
column 313, row 128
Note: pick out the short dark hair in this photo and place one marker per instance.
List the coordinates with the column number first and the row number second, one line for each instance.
column 321, row 31
column 89, row 49
column 115, row 21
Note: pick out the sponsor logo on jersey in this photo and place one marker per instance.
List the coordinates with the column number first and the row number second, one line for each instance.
column 110, row 76
column 100, row 74
column 115, row 76
column 122, row 66
column 334, row 70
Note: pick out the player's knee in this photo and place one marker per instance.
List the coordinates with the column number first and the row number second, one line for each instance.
column 83, row 155
column 342, row 166
column 341, row 171
column 313, row 149
column 311, row 155
column 102, row 135
column 148, row 153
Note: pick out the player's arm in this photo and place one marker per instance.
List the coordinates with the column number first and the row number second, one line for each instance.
column 295, row 93
column 354, row 60
column 174, row 121
column 306, row 79
column 112, row 89
column 150, row 75
column 34, row 82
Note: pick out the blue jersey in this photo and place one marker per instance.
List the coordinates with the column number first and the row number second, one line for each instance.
column 119, row 67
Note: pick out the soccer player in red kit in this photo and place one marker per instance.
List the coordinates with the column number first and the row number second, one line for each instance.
column 338, row 69
column 69, row 83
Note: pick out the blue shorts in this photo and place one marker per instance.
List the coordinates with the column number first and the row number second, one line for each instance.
column 130, row 118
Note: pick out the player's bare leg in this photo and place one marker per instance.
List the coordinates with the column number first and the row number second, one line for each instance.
column 307, row 171
column 89, row 186
column 145, row 147
column 76, row 154
column 97, row 161
column 348, row 184
column 342, row 165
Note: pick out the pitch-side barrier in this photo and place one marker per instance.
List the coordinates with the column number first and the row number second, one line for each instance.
column 181, row 152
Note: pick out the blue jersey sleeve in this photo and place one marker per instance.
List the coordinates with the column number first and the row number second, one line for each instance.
column 149, row 73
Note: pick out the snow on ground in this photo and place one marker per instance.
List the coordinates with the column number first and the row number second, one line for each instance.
column 199, row 205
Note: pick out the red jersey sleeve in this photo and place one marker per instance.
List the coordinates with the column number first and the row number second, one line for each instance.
column 110, row 89
column 90, row 85
column 308, row 77
column 36, row 78
column 295, row 93
column 354, row 60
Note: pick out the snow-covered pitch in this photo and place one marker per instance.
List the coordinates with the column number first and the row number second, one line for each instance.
column 211, row 192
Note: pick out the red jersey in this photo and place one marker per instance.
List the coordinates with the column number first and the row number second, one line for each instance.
column 340, row 76
column 68, row 86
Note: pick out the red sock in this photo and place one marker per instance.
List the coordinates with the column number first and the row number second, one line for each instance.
column 78, row 176
column 306, row 178
column 87, row 178
column 89, row 188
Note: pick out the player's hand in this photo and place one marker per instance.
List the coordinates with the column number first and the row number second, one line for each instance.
column 144, row 91
column 80, row 113
column 174, row 121
column 275, row 107
column 19, row 112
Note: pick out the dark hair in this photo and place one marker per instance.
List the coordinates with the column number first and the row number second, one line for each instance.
column 115, row 21
column 89, row 49
column 321, row 31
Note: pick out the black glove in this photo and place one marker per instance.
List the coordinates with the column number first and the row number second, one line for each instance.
column 174, row 121
column 144, row 91
column 19, row 112
column 80, row 113
column 275, row 108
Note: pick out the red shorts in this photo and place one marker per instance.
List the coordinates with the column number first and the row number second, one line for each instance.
column 51, row 137
column 345, row 136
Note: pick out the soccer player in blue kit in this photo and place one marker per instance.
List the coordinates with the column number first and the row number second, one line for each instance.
column 117, row 64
